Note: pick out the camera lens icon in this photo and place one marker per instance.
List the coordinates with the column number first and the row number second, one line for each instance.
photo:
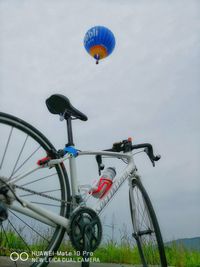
column 15, row 256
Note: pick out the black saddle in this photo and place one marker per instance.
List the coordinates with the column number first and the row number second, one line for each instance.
column 60, row 104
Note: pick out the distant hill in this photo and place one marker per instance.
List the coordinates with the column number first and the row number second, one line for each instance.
column 188, row 243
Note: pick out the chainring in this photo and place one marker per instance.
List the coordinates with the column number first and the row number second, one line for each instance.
column 85, row 221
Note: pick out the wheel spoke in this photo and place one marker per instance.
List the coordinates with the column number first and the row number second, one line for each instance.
column 143, row 214
column 140, row 209
column 7, row 241
column 28, row 225
column 26, row 160
column 20, row 153
column 34, row 181
column 19, row 235
column 6, row 148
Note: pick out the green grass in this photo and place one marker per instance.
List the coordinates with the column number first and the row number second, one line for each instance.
column 111, row 252
column 179, row 256
column 11, row 242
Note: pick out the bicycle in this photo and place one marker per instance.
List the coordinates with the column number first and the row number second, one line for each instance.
column 56, row 205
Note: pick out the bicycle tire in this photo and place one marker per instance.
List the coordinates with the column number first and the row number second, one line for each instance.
column 18, row 129
column 146, row 228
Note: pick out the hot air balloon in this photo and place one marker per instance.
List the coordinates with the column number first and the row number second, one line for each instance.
column 99, row 42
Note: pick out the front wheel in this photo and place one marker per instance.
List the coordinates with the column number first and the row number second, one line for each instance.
column 145, row 226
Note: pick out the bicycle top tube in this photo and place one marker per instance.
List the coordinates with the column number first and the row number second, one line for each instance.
column 107, row 153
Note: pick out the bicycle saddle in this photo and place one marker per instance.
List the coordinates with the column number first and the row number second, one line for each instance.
column 60, row 104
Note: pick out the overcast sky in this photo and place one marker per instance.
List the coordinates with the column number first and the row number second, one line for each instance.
column 148, row 88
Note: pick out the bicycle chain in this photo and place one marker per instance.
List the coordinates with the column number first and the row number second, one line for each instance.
column 43, row 195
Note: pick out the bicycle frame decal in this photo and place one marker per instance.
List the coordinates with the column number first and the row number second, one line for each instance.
column 115, row 187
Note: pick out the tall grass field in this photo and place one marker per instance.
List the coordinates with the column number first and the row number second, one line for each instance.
column 110, row 252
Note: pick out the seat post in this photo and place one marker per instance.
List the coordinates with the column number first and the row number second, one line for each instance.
column 69, row 131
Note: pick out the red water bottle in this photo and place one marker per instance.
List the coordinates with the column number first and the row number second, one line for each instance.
column 104, row 184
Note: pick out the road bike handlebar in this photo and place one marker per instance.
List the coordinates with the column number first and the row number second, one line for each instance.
column 126, row 146
column 149, row 150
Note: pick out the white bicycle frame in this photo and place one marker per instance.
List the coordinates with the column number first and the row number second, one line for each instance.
column 52, row 219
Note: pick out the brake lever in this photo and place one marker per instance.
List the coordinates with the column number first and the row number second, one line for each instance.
column 157, row 157
column 151, row 156
column 99, row 163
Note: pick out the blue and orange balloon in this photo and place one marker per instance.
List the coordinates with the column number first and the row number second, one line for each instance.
column 99, row 42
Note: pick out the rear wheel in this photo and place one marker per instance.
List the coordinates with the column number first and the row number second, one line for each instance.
column 145, row 225
column 21, row 146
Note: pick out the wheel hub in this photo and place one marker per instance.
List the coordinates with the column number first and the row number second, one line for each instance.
column 3, row 212
column 6, row 191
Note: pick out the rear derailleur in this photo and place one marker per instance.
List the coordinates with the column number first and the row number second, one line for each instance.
column 7, row 193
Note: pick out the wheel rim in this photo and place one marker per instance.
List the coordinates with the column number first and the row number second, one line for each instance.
column 20, row 147
column 145, row 234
